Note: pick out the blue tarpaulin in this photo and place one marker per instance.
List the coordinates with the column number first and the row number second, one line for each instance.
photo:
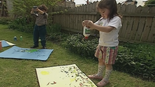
column 6, row 43
column 26, row 53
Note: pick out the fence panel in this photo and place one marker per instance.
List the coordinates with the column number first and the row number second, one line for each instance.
column 140, row 29
column 134, row 28
column 151, row 37
column 123, row 29
column 138, row 23
column 129, row 28
column 146, row 29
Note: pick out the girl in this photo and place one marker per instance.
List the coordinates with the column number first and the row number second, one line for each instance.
column 108, row 26
column 40, row 25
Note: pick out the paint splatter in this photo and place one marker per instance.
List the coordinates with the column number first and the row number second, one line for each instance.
column 44, row 73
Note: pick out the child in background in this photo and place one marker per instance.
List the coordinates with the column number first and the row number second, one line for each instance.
column 40, row 25
column 108, row 26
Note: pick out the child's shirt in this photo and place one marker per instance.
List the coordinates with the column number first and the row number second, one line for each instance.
column 41, row 19
column 109, row 39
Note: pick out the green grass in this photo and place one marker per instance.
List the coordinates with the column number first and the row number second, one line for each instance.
column 21, row 73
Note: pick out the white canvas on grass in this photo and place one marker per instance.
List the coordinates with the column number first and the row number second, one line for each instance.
column 63, row 76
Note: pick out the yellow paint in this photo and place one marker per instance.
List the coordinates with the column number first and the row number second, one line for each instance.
column 72, row 79
column 44, row 73
column 74, row 71
column 64, row 76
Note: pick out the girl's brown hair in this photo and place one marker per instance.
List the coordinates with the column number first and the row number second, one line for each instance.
column 43, row 7
column 108, row 4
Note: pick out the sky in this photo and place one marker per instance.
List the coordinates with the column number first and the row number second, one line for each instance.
column 140, row 2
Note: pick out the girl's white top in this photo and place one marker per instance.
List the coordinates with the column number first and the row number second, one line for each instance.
column 109, row 39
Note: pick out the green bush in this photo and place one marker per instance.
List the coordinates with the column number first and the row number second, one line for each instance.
column 25, row 24
column 52, row 28
column 150, row 3
column 77, row 44
column 22, row 24
column 5, row 20
column 135, row 59
column 57, row 37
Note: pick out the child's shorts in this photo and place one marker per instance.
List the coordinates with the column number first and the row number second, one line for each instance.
column 108, row 54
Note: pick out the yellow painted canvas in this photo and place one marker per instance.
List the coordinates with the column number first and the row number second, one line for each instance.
column 11, row 44
column 63, row 76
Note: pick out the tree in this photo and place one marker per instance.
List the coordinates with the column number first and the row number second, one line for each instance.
column 23, row 7
column 150, row 3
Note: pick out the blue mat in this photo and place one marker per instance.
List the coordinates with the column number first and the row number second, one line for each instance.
column 4, row 43
column 26, row 53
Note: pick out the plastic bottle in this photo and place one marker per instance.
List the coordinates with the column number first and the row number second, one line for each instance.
column 86, row 32
column 0, row 45
column 39, row 39
column 21, row 38
column 15, row 38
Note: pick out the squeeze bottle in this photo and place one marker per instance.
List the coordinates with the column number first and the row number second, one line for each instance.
column 15, row 38
column 21, row 38
column 86, row 32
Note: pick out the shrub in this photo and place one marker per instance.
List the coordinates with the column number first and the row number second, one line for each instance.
column 57, row 36
column 52, row 28
column 77, row 44
column 22, row 24
column 26, row 24
column 150, row 3
column 5, row 20
column 135, row 59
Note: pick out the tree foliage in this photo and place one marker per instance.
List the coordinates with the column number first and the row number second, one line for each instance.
column 23, row 7
column 150, row 3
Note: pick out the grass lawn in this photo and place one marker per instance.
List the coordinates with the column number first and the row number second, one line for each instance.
column 21, row 73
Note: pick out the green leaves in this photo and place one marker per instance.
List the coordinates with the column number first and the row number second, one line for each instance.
column 22, row 24
column 137, row 59
column 5, row 20
column 78, row 45
column 150, row 3
column 23, row 7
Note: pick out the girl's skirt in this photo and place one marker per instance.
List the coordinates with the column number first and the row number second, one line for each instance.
column 108, row 54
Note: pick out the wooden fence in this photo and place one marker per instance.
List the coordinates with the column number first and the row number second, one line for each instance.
column 138, row 22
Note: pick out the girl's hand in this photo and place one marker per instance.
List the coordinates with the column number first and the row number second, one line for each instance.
column 87, row 23
column 84, row 22
column 90, row 24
